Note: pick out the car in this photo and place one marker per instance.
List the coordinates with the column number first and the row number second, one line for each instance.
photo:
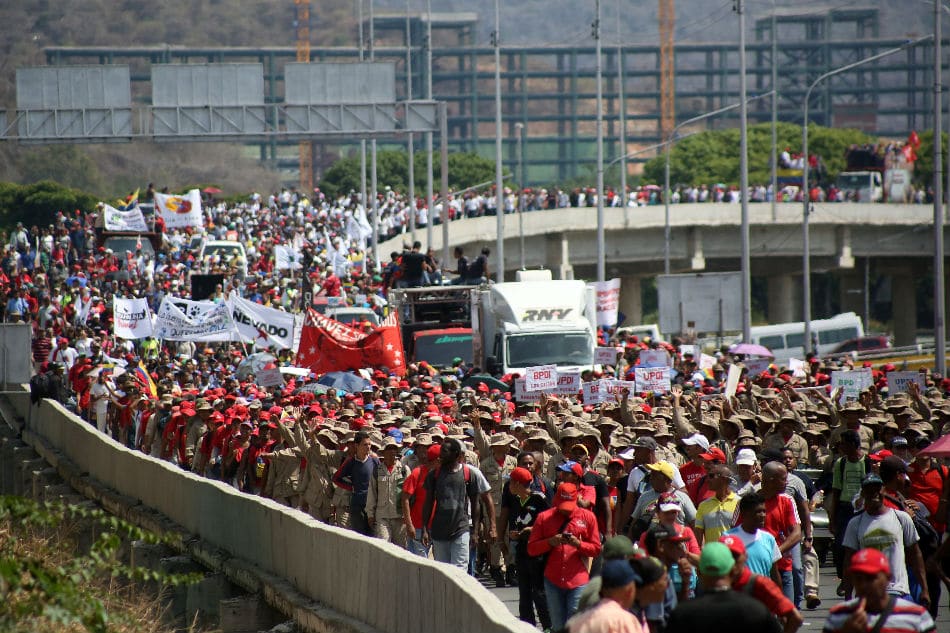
column 225, row 251
column 863, row 344
column 353, row 315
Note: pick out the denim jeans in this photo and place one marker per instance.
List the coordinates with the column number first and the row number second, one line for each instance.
column 416, row 546
column 562, row 603
column 788, row 584
column 798, row 575
column 454, row 552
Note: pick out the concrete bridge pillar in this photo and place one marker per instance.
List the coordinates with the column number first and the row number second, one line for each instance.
column 851, row 290
column 784, row 299
column 558, row 259
column 904, row 305
column 631, row 303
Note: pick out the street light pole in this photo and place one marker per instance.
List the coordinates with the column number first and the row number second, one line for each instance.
column 668, row 143
column 746, row 260
column 410, row 148
column 806, row 246
column 601, row 242
column 430, row 203
column 940, row 328
column 622, row 109
column 519, row 151
column 499, row 182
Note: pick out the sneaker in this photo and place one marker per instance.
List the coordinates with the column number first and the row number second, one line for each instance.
column 812, row 601
column 498, row 576
column 841, row 589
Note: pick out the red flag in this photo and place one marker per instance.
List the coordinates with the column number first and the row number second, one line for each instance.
column 327, row 345
column 913, row 140
column 909, row 154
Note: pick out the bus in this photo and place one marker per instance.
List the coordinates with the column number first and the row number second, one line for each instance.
column 787, row 340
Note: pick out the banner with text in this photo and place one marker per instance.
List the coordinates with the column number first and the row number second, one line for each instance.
column 606, row 390
column 211, row 324
column 852, row 383
column 540, row 378
column 608, row 301
column 132, row 318
column 131, row 221
column 654, row 358
column 606, row 355
column 898, row 381
column 654, row 379
column 567, row 385
column 262, row 325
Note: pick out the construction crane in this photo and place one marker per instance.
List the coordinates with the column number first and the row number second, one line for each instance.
column 303, row 55
column 667, row 17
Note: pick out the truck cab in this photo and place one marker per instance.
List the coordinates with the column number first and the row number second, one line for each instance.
column 523, row 324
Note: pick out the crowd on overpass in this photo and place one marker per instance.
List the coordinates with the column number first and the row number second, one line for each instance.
column 644, row 504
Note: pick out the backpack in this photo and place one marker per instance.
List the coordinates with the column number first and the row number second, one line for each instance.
column 39, row 387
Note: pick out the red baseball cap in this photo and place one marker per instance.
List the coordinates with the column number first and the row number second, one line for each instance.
column 714, row 454
column 870, row 561
column 734, row 543
column 522, row 476
column 566, row 497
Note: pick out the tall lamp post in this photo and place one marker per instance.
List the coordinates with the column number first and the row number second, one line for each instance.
column 666, row 172
column 499, row 181
column 601, row 242
column 806, row 246
column 519, row 151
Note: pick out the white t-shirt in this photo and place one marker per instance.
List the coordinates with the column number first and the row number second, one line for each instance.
column 888, row 533
column 100, row 396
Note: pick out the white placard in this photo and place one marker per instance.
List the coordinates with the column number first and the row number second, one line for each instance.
column 131, row 221
column 797, row 366
column 608, row 301
column 852, row 383
column 567, row 385
column 132, row 318
column 732, row 380
column 606, row 355
column 270, row 377
column 540, row 378
column 653, row 379
column 706, row 361
column 594, row 392
column 898, row 381
column 756, row 366
column 692, row 350
column 654, row 358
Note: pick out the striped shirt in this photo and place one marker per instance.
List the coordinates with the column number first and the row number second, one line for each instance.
column 906, row 617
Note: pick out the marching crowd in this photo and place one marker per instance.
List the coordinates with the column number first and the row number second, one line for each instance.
column 653, row 511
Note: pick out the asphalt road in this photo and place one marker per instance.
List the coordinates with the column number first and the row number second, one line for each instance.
column 813, row 619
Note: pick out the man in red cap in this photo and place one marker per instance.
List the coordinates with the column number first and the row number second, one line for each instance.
column 520, row 511
column 568, row 535
column 874, row 608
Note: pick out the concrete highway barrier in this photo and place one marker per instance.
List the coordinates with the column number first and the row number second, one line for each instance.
column 365, row 580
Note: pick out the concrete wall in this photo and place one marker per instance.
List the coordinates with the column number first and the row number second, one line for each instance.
column 373, row 582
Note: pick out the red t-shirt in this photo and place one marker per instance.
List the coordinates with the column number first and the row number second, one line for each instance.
column 413, row 485
column 693, row 474
column 926, row 487
column 781, row 516
column 765, row 591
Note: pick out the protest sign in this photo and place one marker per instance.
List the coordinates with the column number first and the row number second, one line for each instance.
column 606, row 355
column 540, row 378
column 798, row 367
column 898, row 381
column 270, row 377
column 689, row 350
column 129, row 221
column 653, row 379
column 211, row 324
column 756, row 366
column 608, row 301
column 654, row 358
column 852, row 383
column 707, row 362
column 132, row 318
column 732, row 380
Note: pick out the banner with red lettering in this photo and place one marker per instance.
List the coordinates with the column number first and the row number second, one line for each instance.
column 540, row 378
column 328, row 345
column 654, row 379
column 608, row 301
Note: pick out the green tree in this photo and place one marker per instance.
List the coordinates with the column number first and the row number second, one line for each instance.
column 38, row 203
column 924, row 167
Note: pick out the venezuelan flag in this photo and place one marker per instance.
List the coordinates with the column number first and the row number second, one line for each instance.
column 141, row 374
column 129, row 203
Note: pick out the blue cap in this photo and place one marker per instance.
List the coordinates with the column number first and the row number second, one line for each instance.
column 396, row 434
column 567, row 466
column 618, row 573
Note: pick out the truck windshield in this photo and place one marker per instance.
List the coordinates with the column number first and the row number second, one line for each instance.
column 562, row 348
column 854, row 181
column 439, row 349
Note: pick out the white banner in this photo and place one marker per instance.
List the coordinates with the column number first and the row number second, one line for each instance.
column 286, row 258
column 732, row 381
column 608, row 301
column 179, row 211
column 262, row 325
column 131, row 318
column 707, row 362
column 898, row 381
column 797, row 366
column 567, row 385
column 654, row 358
column 852, row 383
column 655, row 379
column 197, row 323
column 540, row 378
column 131, row 221
column 269, row 377
column 606, row 355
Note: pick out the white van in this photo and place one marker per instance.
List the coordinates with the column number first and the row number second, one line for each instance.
column 787, row 340
column 647, row 330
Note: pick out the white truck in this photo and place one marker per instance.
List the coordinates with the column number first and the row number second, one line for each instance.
column 538, row 322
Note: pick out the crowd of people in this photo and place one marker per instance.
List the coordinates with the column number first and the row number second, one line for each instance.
column 652, row 511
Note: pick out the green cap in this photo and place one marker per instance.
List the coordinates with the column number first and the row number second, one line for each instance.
column 715, row 560
column 619, row 547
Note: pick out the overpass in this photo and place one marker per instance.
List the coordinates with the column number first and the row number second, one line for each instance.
column 896, row 238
